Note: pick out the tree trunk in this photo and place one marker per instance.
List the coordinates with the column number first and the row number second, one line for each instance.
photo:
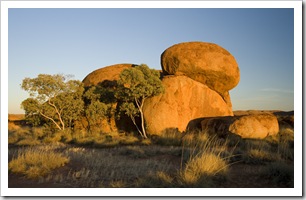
column 57, row 125
column 58, row 114
column 140, row 105
column 133, row 119
column 142, row 120
column 62, row 122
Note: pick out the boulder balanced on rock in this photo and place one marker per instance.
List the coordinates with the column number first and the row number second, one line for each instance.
column 197, row 78
column 204, row 62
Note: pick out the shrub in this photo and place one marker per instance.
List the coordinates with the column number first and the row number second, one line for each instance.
column 128, row 139
column 26, row 136
column 54, row 138
column 38, row 132
column 12, row 137
column 28, row 142
column 34, row 163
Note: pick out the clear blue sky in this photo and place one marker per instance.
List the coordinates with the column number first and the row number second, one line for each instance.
column 78, row 41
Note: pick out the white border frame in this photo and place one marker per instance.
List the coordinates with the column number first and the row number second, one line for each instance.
column 296, row 191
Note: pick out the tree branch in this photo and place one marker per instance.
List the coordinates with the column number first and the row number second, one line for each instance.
column 58, row 113
column 51, row 120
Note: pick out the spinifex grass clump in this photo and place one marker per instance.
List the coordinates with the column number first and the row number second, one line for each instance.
column 206, row 161
column 202, row 168
column 34, row 163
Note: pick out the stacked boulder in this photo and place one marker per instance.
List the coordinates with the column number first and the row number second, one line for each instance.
column 105, row 74
column 197, row 79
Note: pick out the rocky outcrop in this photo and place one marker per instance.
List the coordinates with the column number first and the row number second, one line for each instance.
column 105, row 74
column 184, row 99
column 204, row 62
column 255, row 126
column 197, row 77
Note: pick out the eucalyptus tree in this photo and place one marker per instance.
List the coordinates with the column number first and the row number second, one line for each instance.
column 94, row 109
column 56, row 98
column 135, row 85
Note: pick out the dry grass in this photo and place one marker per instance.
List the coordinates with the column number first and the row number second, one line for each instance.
column 122, row 166
column 279, row 147
column 171, row 160
column 206, row 161
column 203, row 168
column 34, row 163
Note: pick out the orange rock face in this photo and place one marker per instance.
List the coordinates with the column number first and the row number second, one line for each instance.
column 109, row 73
column 197, row 77
column 204, row 62
column 254, row 126
column 184, row 99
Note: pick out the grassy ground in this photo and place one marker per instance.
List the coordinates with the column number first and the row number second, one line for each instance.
column 114, row 160
column 38, row 158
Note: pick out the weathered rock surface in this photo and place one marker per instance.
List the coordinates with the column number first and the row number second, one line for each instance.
column 204, row 62
column 285, row 118
column 255, row 126
column 184, row 99
column 109, row 73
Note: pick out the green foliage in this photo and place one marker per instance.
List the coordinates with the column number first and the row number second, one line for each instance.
column 53, row 97
column 139, row 82
column 94, row 110
column 134, row 86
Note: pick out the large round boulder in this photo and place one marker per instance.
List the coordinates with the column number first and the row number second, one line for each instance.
column 204, row 62
column 254, row 126
column 183, row 100
column 105, row 75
